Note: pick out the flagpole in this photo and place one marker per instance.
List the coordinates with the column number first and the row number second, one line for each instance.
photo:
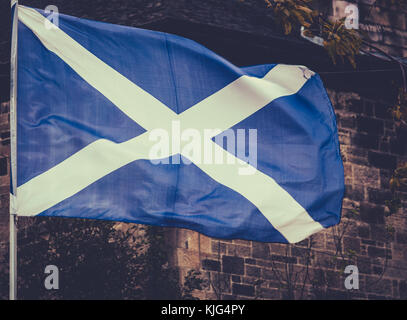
column 13, row 152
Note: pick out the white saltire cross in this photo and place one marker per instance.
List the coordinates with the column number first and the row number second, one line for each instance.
column 231, row 105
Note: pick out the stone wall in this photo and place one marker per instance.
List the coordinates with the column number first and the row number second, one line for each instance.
column 387, row 26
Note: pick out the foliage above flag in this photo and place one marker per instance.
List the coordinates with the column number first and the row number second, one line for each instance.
column 127, row 124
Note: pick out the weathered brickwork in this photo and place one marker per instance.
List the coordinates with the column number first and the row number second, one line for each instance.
column 387, row 26
column 371, row 145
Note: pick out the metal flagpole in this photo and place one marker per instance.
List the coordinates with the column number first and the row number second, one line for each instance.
column 13, row 152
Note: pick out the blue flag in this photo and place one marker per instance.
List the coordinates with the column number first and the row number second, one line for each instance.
column 126, row 124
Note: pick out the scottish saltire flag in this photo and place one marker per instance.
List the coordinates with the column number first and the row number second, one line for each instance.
column 94, row 99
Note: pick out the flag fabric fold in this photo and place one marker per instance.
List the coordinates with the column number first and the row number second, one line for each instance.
column 94, row 98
